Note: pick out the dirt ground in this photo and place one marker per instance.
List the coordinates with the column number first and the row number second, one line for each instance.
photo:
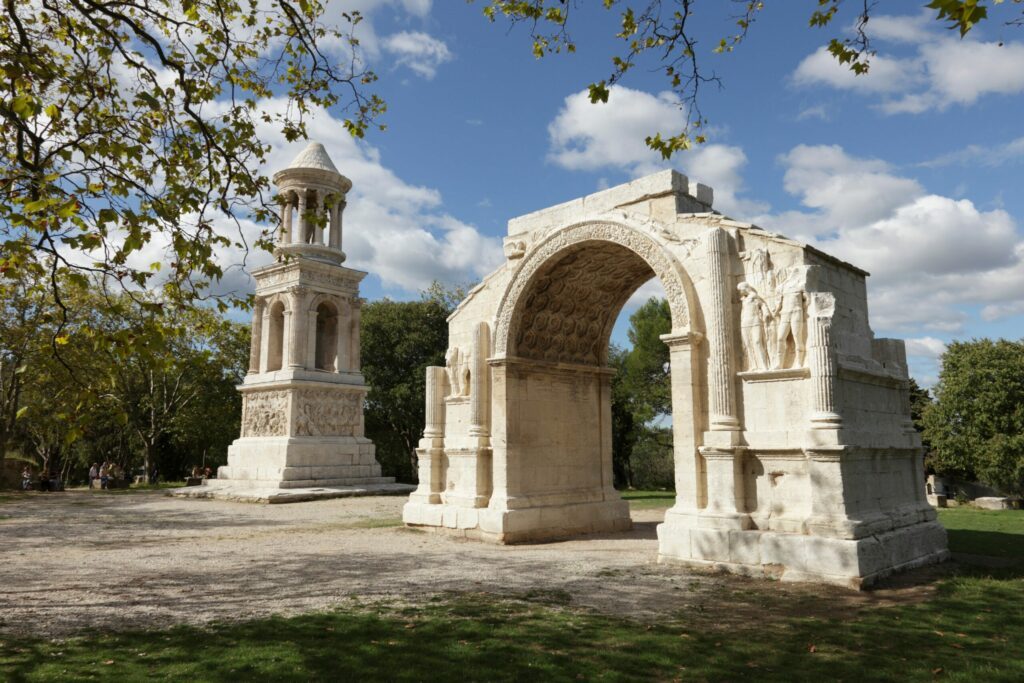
column 83, row 561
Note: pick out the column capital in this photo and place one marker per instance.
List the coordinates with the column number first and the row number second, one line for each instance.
column 683, row 338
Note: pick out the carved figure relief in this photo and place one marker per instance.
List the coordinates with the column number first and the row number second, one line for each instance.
column 791, row 330
column 454, row 363
column 265, row 414
column 515, row 249
column 755, row 317
column 321, row 412
column 776, row 299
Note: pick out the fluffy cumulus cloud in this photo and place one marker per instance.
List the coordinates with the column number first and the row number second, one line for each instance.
column 930, row 257
column 591, row 137
column 942, row 71
column 596, row 137
column 418, row 51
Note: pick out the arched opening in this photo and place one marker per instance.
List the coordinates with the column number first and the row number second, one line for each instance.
column 560, row 340
column 326, row 350
column 275, row 346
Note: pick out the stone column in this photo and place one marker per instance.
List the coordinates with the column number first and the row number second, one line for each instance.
column 479, row 393
column 719, row 319
column 297, row 346
column 286, row 220
column 265, row 329
column 820, row 310
column 322, row 212
column 430, row 454
column 335, row 235
column 300, row 232
column 353, row 345
column 687, row 422
column 341, row 359
column 256, row 332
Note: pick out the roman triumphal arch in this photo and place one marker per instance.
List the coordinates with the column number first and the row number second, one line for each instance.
column 794, row 451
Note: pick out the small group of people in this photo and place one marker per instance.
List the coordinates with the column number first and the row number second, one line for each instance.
column 202, row 472
column 102, row 475
column 47, row 481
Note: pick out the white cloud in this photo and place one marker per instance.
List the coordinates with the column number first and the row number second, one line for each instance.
column 591, row 137
column 930, row 256
column 418, row 51
column 849, row 191
column 980, row 155
column 943, row 72
column 925, row 347
column 901, row 29
column 818, row 111
column 886, row 75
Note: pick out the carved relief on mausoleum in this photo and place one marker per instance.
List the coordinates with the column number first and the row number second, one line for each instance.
column 773, row 313
column 265, row 413
column 323, row 412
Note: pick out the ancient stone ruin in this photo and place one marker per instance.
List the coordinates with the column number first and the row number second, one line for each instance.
column 794, row 451
column 302, row 399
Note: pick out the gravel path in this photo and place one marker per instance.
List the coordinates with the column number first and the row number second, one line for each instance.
column 112, row 561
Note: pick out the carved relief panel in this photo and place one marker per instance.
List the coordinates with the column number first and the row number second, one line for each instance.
column 773, row 313
column 322, row 412
column 265, row 413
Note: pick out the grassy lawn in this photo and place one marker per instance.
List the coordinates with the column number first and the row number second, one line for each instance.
column 972, row 629
column 649, row 500
column 998, row 533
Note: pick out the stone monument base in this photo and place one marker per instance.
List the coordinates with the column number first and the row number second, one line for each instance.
column 855, row 563
column 524, row 525
column 302, row 462
column 218, row 489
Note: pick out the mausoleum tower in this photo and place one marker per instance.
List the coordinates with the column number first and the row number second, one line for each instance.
column 302, row 399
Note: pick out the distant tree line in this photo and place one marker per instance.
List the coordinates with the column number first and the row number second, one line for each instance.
column 111, row 375
column 100, row 375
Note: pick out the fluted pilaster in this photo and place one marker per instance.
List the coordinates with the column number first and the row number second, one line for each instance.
column 437, row 388
column 479, row 382
column 722, row 403
column 822, row 361
column 256, row 342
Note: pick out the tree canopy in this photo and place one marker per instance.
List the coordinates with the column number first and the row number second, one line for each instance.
column 132, row 123
column 976, row 424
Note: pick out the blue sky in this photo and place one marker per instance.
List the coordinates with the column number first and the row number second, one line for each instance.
column 913, row 172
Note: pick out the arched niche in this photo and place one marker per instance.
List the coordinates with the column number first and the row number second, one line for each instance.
column 275, row 336
column 325, row 354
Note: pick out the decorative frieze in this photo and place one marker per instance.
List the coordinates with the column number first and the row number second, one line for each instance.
column 327, row 412
column 265, row 413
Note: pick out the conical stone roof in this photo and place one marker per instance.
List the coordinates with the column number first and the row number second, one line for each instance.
column 314, row 156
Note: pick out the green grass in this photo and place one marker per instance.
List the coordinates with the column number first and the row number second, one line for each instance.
column 971, row 629
column 649, row 500
column 998, row 533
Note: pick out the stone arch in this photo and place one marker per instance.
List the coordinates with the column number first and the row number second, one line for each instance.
column 615, row 258
column 275, row 336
